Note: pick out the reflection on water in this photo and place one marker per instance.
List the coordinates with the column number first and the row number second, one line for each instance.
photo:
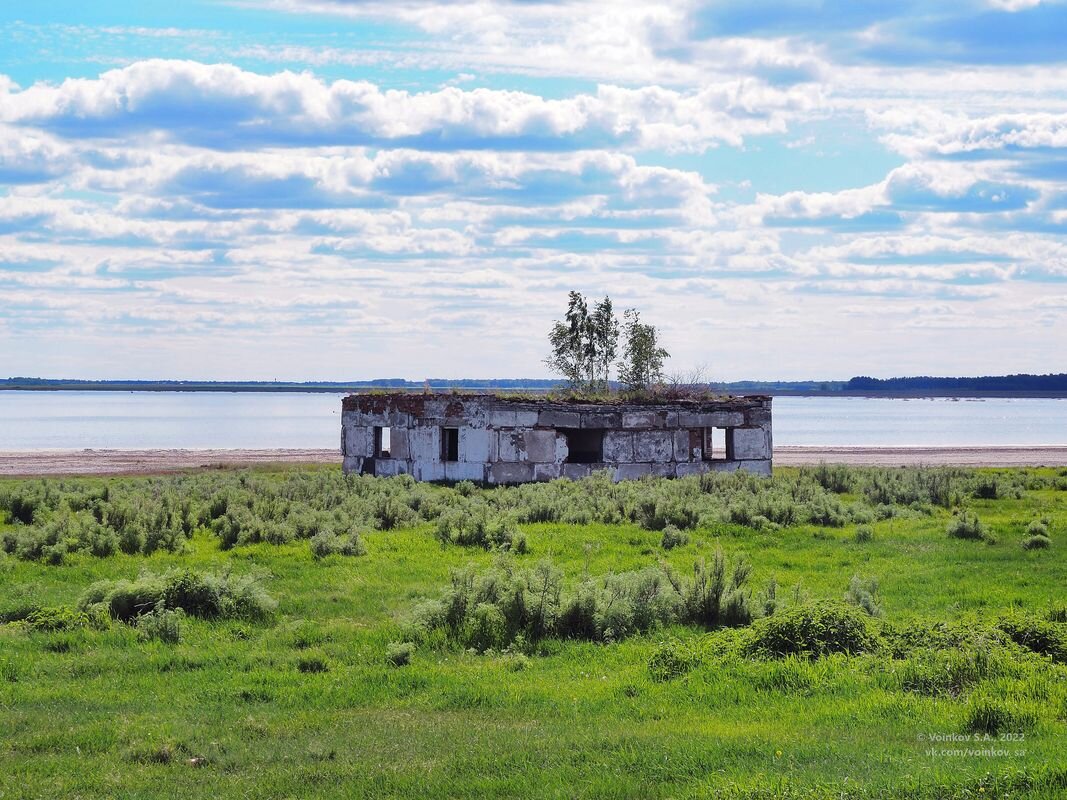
column 136, row 420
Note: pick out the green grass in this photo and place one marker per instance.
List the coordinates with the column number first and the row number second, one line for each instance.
column 307, row 704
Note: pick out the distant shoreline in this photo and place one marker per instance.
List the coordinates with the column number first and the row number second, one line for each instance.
column 349, row 389
column 30, row 463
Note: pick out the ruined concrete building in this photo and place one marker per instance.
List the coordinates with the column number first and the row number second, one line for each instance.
column 497, row 440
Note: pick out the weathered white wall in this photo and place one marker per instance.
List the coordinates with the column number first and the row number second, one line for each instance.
column 501, row 441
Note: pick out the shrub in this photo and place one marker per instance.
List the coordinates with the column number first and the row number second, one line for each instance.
column 863, row 594
column 966, row 525
column 1036, row 542
column 673, row 537
column 64, row 618
column 813, row 630
column 312, row 664
column 1039, row 635
column 673, row 658
column 206, row 595
column 994, row 715
column 712, row 600
column 951, row 671
column 836, row 478
column 325, row 543
column 161, row 624
column 1037, row 527
column 987, row 488
column 864, row 533
column 399, row 654
column 485, row 628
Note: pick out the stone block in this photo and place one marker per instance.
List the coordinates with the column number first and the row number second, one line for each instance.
column 547, row 472
column 758, row 417
column 510, row 446
column 629, row 472
column 662, row 470
column 691, row 468
column 424, row 444
column 710, row 419
column 352, row 465
column 387, row 467
column 601, row 419
column 751, row 443
column 644, row 419
column 756, row 467
column 653, row 446
column 540, row 446
column 428, row 470
column 553, row 418
column 465, row 471
column 502, row 472
column 722, row 466
column 618, row 447
column 474, row 445
column 358, row 441
column 398, row 443
column 683, row 447
column 576, row 471
column 512, row 418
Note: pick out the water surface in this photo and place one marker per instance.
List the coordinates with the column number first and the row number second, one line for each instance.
column 145, row 420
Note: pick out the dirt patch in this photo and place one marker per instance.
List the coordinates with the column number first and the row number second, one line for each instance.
column 148, row 462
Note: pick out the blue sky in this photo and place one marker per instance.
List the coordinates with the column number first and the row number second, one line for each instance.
column 332, row 189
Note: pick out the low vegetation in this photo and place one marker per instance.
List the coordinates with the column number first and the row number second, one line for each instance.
column 830, row 632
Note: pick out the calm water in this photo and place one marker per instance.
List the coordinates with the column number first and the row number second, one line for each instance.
column 135, row 420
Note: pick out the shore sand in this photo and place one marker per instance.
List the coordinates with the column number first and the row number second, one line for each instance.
column 147, row 462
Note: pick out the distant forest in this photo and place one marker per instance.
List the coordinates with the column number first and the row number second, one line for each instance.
column 991, row 383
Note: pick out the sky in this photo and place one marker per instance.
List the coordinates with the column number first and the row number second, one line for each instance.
column 351, row 189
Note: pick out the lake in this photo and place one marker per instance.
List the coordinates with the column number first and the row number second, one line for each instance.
column 144, row 420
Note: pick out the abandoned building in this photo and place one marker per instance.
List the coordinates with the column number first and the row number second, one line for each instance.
column 498, row 440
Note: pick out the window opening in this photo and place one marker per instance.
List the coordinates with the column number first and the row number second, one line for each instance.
column 450, row 444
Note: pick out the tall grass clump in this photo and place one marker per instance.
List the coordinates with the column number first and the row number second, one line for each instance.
column 864, row 593
column 206, row 595
column 967, row 525
column 989, row 714
column 160, row 624
column 813, row 630
column 326, row 543
column 510, row 606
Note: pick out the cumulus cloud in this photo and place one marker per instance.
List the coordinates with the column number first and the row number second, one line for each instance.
column 225, row 107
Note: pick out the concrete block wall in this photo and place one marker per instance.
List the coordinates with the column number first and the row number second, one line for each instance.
column 500, row 441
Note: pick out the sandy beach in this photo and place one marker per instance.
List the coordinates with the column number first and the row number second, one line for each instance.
column 147, row 462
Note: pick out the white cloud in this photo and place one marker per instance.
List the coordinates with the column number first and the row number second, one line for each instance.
column 226, row 107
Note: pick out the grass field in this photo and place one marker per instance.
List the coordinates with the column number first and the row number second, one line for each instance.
column 312, row 698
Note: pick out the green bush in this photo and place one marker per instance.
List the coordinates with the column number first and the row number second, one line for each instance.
column 1042, row 636
column 673, row 658
column 863, row 593
column 399, row 654
column 864, row 533
column 813, row 630
column 712, row 599
column 994, row 715
column 1037, row 527
column 161, row 624
column 64, row 618
column 951, row 671
column 966, row 525
column 673, row 537
column 326, row 543
column 311, row 664
column 207, row 595
column 1036, row 542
